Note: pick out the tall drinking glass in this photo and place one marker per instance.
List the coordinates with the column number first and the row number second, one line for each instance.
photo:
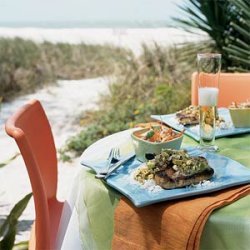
column 209, row 66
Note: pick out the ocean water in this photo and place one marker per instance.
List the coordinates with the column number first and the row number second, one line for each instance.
column 126, row 24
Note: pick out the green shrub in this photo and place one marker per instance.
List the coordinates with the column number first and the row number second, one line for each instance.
column 227, row 24
column 158, row 82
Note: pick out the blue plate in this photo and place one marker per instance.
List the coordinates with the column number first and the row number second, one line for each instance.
column 228, row 173
column 193, row 130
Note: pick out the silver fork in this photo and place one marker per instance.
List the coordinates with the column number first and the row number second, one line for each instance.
column 113, row 157
column 114, row 167
column 116, row 156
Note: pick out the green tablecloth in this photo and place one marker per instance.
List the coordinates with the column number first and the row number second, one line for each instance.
column 227, row 228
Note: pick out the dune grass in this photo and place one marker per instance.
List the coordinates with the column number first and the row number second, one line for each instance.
column 158, row 82
column 25, row 65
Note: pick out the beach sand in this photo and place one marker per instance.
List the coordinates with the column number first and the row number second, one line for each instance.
column 128, row 38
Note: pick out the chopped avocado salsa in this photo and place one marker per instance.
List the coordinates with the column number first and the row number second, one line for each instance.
column 174, row 168
column 178, row 160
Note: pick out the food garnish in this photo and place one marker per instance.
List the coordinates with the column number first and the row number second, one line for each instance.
column 175, row 168
column 242, row 105
column 158, row 133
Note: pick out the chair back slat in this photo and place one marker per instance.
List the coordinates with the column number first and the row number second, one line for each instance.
column 233, row 87
column 30, row 128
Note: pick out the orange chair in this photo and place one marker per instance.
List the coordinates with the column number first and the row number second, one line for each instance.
column 30, row 128
column 233, row 87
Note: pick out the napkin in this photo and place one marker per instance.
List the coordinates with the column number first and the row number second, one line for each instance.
column 169, row 225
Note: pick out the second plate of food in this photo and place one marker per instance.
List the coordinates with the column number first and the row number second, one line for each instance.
column 224, row 126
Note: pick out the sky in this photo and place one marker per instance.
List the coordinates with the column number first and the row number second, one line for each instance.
column 87, row 10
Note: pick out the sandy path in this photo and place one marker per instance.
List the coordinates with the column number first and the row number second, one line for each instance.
column 62, row 103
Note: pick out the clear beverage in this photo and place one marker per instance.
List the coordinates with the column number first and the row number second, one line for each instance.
column 208, row 97
column 209, row 65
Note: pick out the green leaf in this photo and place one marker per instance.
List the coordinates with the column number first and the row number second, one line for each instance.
column 241, row 30
column 244, row 51
column 23, row 245
column 238, row 42
column 239, row 59
column 150, row 134
column 241, row 5
column 8, row 228
column 3, row 164
column 237, row 69
column 235, row 52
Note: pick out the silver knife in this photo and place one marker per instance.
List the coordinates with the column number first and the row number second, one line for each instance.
column 114, row 167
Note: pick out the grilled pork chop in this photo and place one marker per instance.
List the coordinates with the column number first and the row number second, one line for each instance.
column 188, row 116
column 175, row 168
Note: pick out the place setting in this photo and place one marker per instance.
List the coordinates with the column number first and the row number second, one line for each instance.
column 149, row 164
column 191, row 172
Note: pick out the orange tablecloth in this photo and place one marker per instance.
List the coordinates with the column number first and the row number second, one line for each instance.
column 169, row 225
